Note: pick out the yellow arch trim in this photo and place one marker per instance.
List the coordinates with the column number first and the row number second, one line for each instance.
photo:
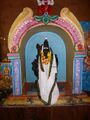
column 25, row 14
column 69, row 16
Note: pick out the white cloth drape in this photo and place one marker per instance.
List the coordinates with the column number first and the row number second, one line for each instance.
column 45, row 83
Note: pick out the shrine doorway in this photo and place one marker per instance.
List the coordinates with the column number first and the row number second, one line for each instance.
column 64, row 47
column 57, row 45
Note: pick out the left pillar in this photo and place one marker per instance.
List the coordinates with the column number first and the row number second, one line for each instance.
column 16, row 73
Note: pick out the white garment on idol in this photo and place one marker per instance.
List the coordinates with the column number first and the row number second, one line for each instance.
column 45, row 83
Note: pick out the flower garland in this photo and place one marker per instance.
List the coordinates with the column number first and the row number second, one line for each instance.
column 45, row 60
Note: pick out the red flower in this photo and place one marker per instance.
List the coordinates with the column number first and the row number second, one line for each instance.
column 44, row 8
column 14, row 49
column 79, row 46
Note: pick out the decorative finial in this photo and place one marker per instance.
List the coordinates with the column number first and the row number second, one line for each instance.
column 45, row 38
column 45, row 6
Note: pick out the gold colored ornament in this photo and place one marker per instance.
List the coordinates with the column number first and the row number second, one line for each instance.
column 45, row 60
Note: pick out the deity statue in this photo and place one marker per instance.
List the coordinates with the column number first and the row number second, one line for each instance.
column 7, row 77
column 6, row 71
column 47, row 74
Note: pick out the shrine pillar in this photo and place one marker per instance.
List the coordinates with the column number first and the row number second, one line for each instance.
column 77, row 73
column 16, row 73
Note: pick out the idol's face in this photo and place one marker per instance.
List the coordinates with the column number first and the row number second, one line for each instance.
column 46, row 52
column 46, row 48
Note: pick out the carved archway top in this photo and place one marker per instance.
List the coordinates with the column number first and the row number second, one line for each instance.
column 69, row 16
column 25, row 21
column 23, row 17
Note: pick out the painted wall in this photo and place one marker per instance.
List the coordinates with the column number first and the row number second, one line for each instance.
column 86, row 73
column 85, row 25
column 58, row 47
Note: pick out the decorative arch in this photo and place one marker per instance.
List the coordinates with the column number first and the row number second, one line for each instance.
column 25, row 21
column 26, row 25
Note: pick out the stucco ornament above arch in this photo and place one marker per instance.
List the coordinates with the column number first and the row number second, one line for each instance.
column 67, row 21
column 19, row 23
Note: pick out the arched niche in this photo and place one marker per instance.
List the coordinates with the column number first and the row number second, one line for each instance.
column 56, row 43
column 68, row 44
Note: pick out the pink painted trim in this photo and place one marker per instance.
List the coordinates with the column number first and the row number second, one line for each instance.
column 72, row 30
column 21, row 30
column 12, row 54
column 31, row 22
column 80, row 53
